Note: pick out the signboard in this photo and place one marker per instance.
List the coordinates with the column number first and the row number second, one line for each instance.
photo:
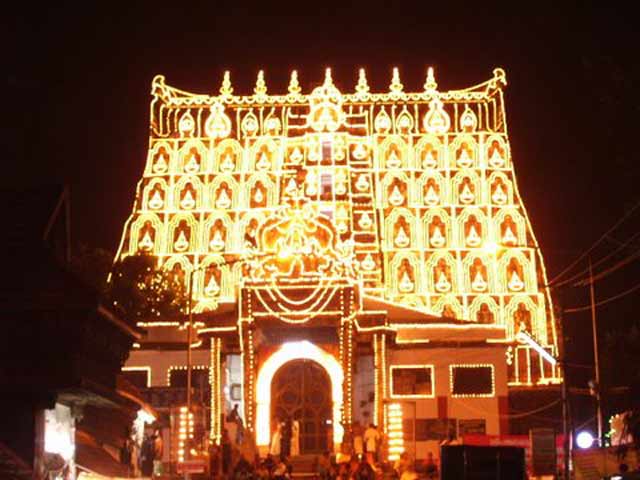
column 435, row 429
column 543, row 451
column 515, row 441
column 472, row 426
column 196, row 465
column 596, row 463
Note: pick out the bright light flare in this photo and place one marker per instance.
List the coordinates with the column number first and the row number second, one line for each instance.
column 584, row 440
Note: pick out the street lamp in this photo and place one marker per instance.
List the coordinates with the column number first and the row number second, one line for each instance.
column 584, row 440
column 225, row 261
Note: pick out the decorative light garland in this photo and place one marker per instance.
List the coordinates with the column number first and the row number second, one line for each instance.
column 452, row 367
column 430, row 368
column 422, row 190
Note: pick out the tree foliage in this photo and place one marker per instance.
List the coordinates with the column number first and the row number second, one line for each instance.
column 92, row 265
column 139, row 290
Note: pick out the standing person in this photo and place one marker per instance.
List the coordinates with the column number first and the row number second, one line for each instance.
column 431, row 469
column 146, row 457
column 358, row 442
column 226, row 453
column 214, row 461
column 239, row 431
column 402, row 464
column 276, row 440
column 325, row 467
column 135, row 457
column 231, row 424
column 125, row 454
column 157, row 453
column 286, row 438
column 280, row 471
column 371, row 441
column 365, row 471
column 295, row 438
column 234, row 417
column 233, row 414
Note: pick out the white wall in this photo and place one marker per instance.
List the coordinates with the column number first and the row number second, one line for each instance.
column 159, row 361
column 457, row 408
column 364, row 383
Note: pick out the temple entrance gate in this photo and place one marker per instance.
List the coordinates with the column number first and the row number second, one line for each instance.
column 301, row 389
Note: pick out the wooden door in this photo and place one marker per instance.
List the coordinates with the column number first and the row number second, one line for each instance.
column 301, row 389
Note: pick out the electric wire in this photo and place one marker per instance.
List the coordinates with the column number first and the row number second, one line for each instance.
column 584, row 274
column 603, row 302
column 609, row 270
column 598, row 242
column 510, row 415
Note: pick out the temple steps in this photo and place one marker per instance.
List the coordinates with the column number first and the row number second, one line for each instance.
column 304, row 466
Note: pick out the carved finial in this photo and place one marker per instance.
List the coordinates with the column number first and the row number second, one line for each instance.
column 294, row 86
column 158, row 87
column 500, row 77
column 261, row 87
column 226, row 89
column 395, row 87
column 328, row 81
column 362, row 88
column 430, row 85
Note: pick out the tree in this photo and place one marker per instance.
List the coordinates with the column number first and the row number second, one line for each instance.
column 621, row 364
column 93, row 265
column 139, row 290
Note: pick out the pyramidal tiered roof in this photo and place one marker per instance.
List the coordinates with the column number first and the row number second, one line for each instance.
column 420, row 186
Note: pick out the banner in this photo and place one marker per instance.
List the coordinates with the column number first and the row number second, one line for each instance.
column 595, row 463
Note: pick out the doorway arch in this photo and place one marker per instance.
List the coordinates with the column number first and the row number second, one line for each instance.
column 301, row 390
column 303, row 350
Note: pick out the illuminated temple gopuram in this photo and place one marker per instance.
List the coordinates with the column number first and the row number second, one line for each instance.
column 356, row 257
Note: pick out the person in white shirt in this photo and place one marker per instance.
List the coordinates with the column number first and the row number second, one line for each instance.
column 295, row 438
column 276, row 439
column 371, row 441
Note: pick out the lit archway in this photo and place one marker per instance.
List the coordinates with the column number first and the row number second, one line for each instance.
column 296, row 351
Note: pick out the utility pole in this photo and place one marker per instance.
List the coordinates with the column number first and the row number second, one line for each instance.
column 594, row 326
column 565, row 421
column 189, row 368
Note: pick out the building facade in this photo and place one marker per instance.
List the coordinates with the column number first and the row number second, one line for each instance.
column 354, row 257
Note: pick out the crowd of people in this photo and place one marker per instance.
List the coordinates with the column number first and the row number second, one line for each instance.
column 236, row 458
column 143, row 458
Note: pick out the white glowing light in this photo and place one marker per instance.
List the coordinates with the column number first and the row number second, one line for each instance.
column 303, row 350
column 146, row 417
column 524, row 338
column 584, row 440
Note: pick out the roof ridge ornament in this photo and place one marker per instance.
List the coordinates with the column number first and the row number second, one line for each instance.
column 294, row 86
column 260, row 89
column 325, row 106
column 396, row 87
column 328, row 79
column 362, row 88
column 226, row 89
column 430, row 85
column 499, row 77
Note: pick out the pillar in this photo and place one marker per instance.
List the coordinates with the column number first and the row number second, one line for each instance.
column 380, row 383
column 249, row 373
column 216, row 381
column 346, row 362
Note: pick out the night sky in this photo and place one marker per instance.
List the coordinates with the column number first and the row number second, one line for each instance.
column 77, row 81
